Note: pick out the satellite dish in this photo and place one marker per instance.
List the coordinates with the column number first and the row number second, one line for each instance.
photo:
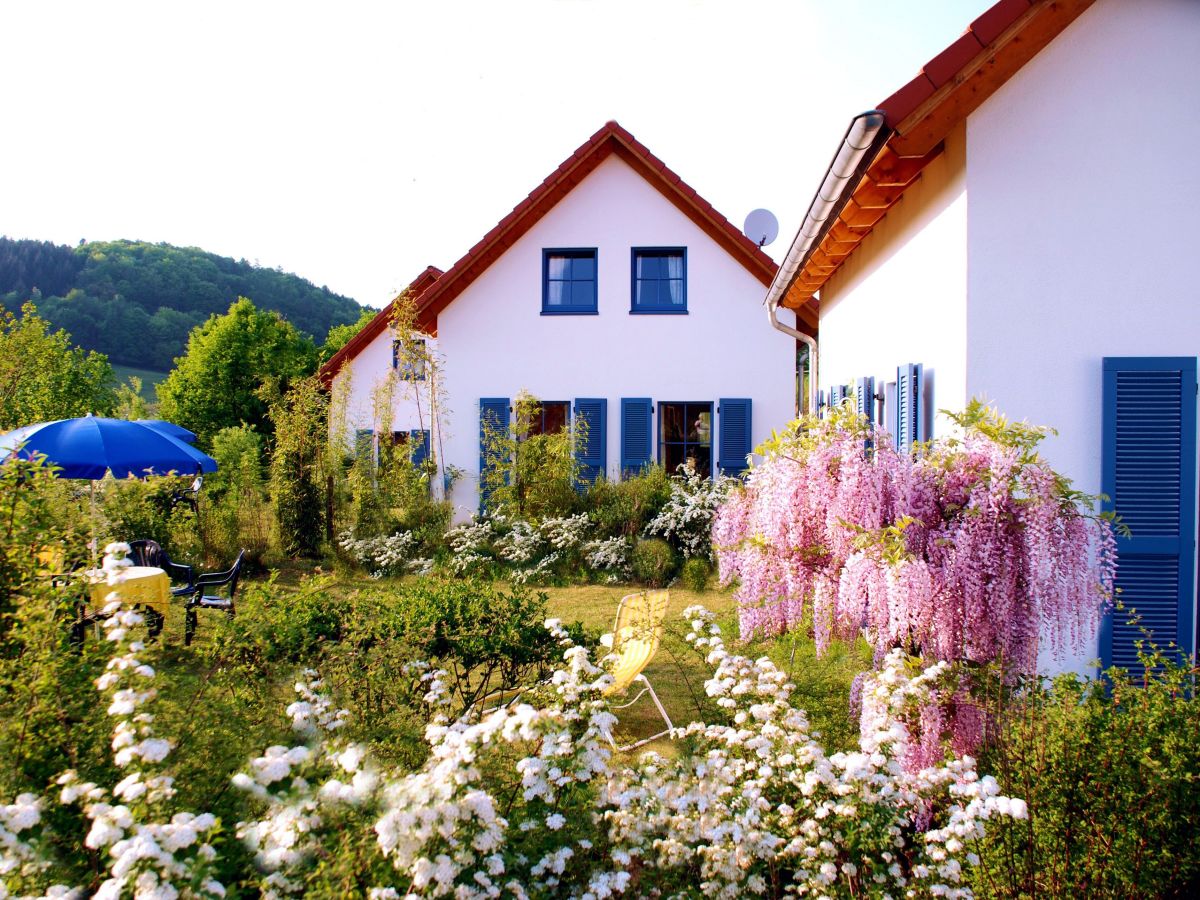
column 761, row 226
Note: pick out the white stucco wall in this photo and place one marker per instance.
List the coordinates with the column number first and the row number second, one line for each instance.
column 496, row 342
column 901, row 297
column 357, row 391
column 1083, row 197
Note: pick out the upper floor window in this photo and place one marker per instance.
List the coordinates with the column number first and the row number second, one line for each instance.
column 408, row 358
column 569, row 282
column 659, row 280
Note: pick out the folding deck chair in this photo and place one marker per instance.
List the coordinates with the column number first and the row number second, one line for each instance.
column 636, row 635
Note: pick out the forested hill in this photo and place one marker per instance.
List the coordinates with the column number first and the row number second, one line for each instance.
column 137, row 302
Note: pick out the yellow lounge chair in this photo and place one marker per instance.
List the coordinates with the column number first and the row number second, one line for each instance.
column 635, row 639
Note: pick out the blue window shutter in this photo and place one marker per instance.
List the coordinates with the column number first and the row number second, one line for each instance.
column 1149, row 474
column 735, row 434
column 864, row 398
column 418, row 446
column 821, row 401
column 636, row 449
column 493, row 413
column 364, row 444
column 592, row 452
column 910, row 417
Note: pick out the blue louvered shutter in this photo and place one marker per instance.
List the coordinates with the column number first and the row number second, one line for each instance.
column 864, row 398
column 418, row 446
column 493, row 414
column 592, row 451
column 910, row 417
column 636, row 449
column 1149, row 474
column 821, row 402
column 364, row 444
column 736, row 444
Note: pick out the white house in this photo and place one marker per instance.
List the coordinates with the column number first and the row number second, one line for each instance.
column 1016, row 223
column 612, row 292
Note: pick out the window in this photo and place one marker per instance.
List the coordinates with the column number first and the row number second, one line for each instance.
column 659, row 280
column 685, row 433
column 551, row 417
column 408, row 358
column 569, row 282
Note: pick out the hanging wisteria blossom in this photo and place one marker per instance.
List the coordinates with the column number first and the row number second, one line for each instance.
column 969, row 549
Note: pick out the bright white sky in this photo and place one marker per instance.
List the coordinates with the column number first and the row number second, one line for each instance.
column 356, row 143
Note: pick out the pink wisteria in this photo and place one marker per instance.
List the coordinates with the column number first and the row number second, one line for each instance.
column 968, row 550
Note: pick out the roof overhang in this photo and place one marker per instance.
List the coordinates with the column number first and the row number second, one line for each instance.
column 919, row 116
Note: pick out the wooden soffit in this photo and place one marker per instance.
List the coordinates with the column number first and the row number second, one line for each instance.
column 922, row 113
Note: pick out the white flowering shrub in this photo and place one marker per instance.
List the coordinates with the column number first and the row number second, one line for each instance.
column 528, row 800
column 521, row 543
column 686, row 519
column 384, row 555
column 470, row 544
column 610, row 556
column 567, row 533
column 146, row 850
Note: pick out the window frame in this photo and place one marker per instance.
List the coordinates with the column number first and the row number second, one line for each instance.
column 660, row 443
column 419, row 371
column 634, row 309
column 542, row 404
column 571, row 253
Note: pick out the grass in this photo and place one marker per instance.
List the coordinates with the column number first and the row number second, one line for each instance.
column 677, row 671
column 149, row 379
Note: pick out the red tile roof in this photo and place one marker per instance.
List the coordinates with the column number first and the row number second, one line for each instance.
column 355, row 345
column 920, row 114
column 610, row 140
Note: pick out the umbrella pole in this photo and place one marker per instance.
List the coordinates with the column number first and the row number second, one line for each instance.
column 95, row 535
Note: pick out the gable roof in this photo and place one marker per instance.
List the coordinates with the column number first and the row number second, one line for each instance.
column 372, row 329
column 917, row 118
column 610, row 140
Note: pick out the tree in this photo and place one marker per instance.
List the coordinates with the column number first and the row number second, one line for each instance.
column 339, row 335
column 43, row 376
column 298, row 467
column 233, row 364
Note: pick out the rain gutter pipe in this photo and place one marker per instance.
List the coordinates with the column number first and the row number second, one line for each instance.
column 861, row 144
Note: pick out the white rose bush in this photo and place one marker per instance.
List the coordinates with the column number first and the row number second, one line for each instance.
column 528, row 799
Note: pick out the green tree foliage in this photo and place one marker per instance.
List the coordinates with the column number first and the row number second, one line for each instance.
column 137, row 302
column 232, row 364
column 43, row 377
column 299, row 468
column 339, row 335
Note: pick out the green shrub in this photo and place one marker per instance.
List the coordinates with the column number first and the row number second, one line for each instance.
column 695, row 574
column 233, row 509
column 141, row 508
column 627, row 507
column 1109, row 769
column 654, row 562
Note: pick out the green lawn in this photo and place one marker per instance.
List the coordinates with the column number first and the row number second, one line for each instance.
column 677, row 671
column 149, row 379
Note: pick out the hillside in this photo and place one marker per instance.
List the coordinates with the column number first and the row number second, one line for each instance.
column 137, row 302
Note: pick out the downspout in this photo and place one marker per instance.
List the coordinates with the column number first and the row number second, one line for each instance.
column 860, row 145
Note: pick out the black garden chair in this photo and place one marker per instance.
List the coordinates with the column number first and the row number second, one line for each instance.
column 149, row 553
column 145, row 552
column 201, row 599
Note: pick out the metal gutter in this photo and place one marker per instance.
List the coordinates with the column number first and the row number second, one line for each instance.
column 860, row 145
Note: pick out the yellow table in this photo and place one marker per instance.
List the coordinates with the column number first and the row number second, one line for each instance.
column 143, row 586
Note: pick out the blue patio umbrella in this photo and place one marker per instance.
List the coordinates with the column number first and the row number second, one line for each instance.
column 88, row 447
column 169, row 428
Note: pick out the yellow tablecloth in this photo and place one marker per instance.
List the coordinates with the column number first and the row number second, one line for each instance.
column 143, row 585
